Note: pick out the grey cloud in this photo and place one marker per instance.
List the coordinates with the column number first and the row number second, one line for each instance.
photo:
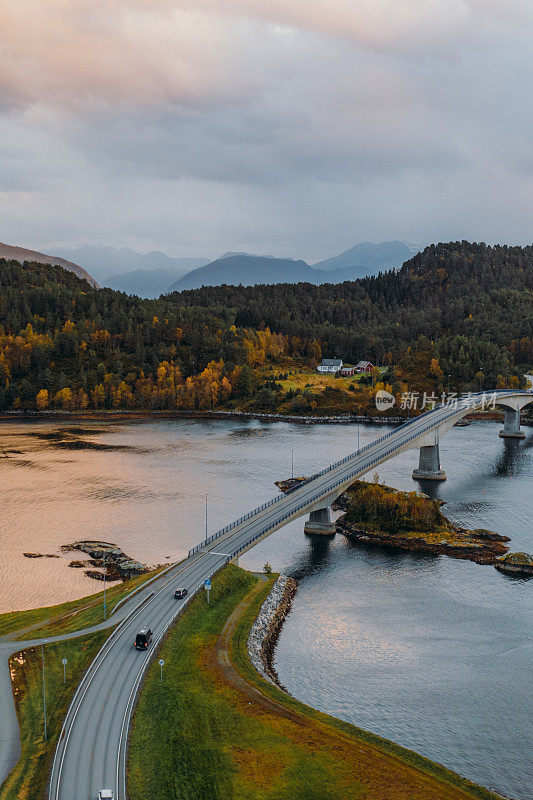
column 297, row 128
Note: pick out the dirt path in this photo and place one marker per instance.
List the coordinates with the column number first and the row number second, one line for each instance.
column 374, row 764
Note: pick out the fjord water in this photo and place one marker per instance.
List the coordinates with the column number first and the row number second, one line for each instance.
column 431, row 652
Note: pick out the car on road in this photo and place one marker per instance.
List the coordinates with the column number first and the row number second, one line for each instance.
column 105, row 794
column 179, row 593
column 143, row 639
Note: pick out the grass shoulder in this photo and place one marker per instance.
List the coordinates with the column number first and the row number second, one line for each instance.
column 215, row 729
column 28, row 780
column 71, row 616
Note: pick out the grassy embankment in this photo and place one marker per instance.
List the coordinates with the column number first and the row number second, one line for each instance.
column 28, row 779
column 206, row 734
column 67, row 617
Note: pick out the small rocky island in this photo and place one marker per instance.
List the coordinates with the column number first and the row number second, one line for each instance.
column 376, row 514
column 519, row 564
column 118, row 566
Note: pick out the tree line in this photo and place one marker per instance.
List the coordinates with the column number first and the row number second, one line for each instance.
column 456, row 316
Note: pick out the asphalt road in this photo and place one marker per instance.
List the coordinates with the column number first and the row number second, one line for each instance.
column 92, row 751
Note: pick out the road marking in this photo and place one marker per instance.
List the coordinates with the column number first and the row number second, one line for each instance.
column 214, row 553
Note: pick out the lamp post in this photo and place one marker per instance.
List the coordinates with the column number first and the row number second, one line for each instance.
column 64, row 662
column 206, row 519
column 161, row 664
column 105, row 609
column 44, row 692
column 292, row 463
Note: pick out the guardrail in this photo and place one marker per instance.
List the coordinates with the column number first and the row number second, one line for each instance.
column 346, row 459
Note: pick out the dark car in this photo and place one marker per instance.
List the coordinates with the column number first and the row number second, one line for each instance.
column 179, row 593
column 143, row 639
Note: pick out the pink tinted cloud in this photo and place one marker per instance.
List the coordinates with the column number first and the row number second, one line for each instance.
column 203, row 52
column 73, row 51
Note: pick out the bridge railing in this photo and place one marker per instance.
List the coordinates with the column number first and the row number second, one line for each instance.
column 333, row 466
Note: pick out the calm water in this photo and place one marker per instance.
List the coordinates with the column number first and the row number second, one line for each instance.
column 431, row 652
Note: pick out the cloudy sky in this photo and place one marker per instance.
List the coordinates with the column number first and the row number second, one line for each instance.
column 293, row 127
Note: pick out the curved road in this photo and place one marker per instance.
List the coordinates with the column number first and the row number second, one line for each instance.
column 91, row 753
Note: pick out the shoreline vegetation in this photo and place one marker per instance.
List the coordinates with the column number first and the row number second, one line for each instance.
column 376, row 514
column 214, row 729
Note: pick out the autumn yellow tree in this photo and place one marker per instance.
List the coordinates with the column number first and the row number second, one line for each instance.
column 42, row 400
column 63, row 398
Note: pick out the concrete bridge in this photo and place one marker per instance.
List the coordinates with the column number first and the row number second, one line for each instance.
column 93, row 747
column 317, row 494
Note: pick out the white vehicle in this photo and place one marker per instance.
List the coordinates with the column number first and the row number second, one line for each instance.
column 106, row 794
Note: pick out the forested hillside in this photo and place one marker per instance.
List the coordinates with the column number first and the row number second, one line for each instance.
column 459, row 310
column 64, row 344
column 473, row 301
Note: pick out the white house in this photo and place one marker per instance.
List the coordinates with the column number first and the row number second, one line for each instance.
column 330, row 365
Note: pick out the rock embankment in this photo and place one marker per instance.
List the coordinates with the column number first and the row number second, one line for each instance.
column 118, row 566
column 267, row 626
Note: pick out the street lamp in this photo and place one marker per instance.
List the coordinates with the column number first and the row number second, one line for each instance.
column 105, row 609
column 292, row 463
column 161, row 664
column 64, row 662
column 206, row 519
column 44, row 691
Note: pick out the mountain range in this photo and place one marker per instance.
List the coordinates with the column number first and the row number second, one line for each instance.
column 250, row 270
column 144, row 274
column 151, row 274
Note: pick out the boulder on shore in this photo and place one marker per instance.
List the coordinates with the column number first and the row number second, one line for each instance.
column 118, row 565
column 516, row 564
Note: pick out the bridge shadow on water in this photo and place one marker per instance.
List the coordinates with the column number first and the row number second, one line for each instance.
column 327, row 554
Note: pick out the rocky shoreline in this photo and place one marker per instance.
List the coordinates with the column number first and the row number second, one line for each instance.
column 118, row 565
column 480, row 546
column 265, row 631
column 124, row 415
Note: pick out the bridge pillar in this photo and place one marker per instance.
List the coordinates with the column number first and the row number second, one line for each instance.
column 320, row 522
column 429, row 464
column 511, row 425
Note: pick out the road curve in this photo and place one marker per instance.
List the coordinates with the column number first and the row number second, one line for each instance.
column 91, row 753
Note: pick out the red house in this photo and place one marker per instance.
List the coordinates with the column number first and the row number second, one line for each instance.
column 364, row 366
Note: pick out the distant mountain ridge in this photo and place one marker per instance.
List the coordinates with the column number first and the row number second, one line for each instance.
column 146, row 283
column 149, row 275
column 145, row 274
column 15, row 253
column 251, row 270
column 370, row 256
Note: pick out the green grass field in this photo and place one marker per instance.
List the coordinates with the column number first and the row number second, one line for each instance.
column 200, row 736
column 72, row 616
column 29, row 778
